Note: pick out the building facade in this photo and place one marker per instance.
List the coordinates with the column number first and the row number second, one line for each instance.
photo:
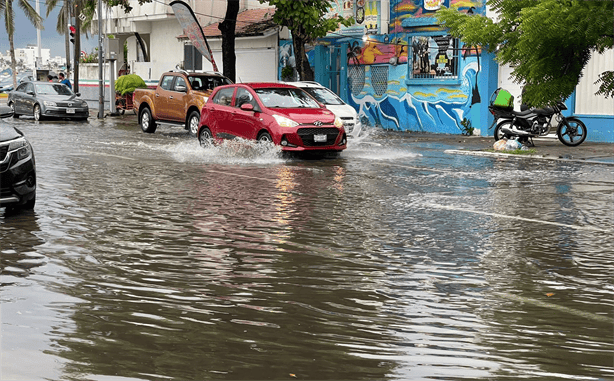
column 403, row 72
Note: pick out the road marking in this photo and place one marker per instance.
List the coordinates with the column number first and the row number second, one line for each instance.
column 110, row 155
column 460, row 209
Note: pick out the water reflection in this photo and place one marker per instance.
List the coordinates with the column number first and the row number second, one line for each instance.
column 217, row 270
column 19, row 234
column 167, row 261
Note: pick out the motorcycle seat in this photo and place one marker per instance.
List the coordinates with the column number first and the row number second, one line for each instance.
column 536, row 111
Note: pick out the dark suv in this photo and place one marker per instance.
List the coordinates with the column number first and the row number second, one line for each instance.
column 17, row 167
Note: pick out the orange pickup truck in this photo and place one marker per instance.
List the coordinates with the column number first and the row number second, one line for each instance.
column 177, row 99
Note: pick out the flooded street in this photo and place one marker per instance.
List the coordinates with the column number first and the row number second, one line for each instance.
column 149, row 258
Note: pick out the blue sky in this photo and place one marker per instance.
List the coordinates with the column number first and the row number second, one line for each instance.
column 25, row 33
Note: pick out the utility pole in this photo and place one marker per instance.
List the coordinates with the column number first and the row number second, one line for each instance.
column 100, row 63
column 39, row 60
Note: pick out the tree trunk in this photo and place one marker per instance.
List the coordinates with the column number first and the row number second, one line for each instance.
column 227, row 27
column 9, row 13
column 13, row 61
column 305, row 72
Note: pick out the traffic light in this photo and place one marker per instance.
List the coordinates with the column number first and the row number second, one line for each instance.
column 72, row 30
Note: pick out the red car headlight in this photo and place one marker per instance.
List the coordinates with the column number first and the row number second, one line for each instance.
column 338, row 122
column 284, row 122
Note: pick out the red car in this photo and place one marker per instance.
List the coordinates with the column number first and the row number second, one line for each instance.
column 270, row 112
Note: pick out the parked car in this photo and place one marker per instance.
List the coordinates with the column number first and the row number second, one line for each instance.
column 177, row 99
column 6, row 83
column 47, row 99
column 17, row 167
column 271, row 112
column 347, row 113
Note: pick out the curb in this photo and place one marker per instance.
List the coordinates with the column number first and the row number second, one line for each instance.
column 511, row 155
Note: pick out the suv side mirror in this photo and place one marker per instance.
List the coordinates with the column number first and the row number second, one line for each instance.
column 181, row 88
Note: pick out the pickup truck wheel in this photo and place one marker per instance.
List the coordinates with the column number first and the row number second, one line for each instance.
column 148, row 124
column 193, row 121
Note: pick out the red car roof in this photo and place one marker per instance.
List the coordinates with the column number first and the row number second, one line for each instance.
column 267, row 85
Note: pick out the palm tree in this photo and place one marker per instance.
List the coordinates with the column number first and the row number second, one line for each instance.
column 6, row 10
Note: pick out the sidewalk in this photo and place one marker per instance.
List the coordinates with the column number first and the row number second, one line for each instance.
column 549, row 148
column 545, row 148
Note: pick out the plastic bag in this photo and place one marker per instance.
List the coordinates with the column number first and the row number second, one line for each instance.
column 499, row 145
column 512, row 145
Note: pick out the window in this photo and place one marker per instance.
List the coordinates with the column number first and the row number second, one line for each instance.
column 434, row 57
column 243, row 97
column 224, row 96
column 180, row 85
column 22, row 88
column 286, row 98
column 167, row 81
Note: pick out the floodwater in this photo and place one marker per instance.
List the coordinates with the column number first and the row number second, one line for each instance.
column 149, row 258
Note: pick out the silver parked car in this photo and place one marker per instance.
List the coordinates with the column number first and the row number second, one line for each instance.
column 47, row 99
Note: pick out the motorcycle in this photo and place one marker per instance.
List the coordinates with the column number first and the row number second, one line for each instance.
column 534, row 122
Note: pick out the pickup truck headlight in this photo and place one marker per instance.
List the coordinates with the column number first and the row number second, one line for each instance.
column 284, row 122
column 49, row 103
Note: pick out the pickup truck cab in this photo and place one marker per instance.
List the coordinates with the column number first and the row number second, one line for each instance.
column 177, row 99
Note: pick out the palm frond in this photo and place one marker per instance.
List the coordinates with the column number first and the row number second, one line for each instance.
column 31, row 14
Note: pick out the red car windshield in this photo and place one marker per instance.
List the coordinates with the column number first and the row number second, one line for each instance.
column 286, row 98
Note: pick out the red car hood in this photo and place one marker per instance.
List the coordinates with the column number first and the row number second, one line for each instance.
column 306, row 115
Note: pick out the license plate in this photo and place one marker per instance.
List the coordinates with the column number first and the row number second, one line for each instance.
column 319, row 138
column 70, row 110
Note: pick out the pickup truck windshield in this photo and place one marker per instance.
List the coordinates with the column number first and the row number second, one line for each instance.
column 207, row 82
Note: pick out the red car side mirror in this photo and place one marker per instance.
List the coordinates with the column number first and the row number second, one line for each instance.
column 247, row 107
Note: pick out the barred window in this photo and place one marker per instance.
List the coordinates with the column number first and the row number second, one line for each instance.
column 356, row 79
column 434, row 57
column 379, row 79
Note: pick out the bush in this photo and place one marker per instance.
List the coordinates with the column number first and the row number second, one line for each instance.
column 128, row 83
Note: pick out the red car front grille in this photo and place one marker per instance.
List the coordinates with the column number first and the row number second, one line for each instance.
column 307, row 136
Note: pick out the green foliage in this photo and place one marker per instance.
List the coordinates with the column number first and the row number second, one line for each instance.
column 307, row 22
column 306, row 17
column 467, row 127
column 287, row 73
column 90, row 58
column 128, row 83
column 547, row 42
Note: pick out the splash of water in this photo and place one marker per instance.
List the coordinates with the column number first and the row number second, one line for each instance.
column 237, row 151
column 372, row 144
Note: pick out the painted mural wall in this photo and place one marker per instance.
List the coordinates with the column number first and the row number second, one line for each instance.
column 416, row 77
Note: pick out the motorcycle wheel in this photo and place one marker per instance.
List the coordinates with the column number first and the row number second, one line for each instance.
column 573, row 133
column 498, row 134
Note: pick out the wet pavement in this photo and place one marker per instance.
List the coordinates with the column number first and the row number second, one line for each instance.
column 409, row 257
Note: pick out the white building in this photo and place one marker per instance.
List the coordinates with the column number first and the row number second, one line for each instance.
column 156, row 42
column 28, row 55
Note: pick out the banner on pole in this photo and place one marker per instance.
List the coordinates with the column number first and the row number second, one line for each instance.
column 192, row 29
